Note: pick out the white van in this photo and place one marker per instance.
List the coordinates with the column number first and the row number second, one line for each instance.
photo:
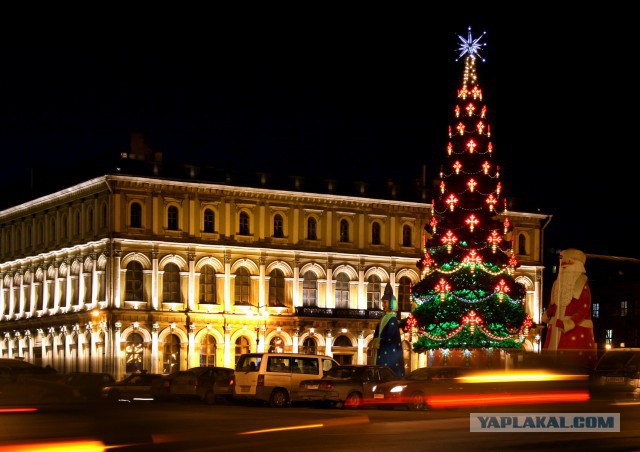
column 276, row 377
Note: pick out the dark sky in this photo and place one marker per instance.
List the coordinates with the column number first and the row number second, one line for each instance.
column 352, row 96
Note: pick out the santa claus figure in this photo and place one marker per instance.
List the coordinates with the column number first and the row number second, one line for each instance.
column 568, row 317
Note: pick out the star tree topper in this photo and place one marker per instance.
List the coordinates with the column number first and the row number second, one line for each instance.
column 471, row 46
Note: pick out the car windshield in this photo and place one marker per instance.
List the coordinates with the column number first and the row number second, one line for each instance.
column 619, row 360
column 344, row 372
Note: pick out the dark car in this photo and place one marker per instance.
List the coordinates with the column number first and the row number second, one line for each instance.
column 617, row 375
column 346, row 386
column 27, row 385
column 412, row 390
column 134, row 387
column 161, row 387
column 208, row 384
column 89, row 384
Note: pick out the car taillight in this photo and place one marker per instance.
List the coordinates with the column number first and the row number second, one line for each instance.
column 325, row 386
column 260, row 380
column 231, row 382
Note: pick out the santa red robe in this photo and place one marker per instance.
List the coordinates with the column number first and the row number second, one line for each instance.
column 570, row 328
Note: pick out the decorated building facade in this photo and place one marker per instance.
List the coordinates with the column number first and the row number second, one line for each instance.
column 121, row 273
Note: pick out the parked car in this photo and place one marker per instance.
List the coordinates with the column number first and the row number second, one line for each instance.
column 208, row 384
column 275, row 377
column 161, row 387
column 27, row 385
column 346, row 386
column 617, row 375
column 134, row 387
column 89, row 384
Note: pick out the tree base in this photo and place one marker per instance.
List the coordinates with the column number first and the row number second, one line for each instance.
column 480, row 358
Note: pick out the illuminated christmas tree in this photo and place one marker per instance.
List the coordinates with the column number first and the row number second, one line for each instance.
column 468, row 297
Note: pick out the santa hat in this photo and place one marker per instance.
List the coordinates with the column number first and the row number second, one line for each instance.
column 574, row 255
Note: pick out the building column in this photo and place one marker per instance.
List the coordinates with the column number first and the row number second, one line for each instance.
column 262, row 296
column 328, row 339
column 117, row 276
column 296, row 341
column 361, row 349
column 227, row 285
column 155, row 352
column 94, row 364
column 191, row 347
column 191, row 283
column 117, row 371
column 94, row 281
column 296, row 284
column 362, row 295
column 329, row 300
column 227, row 346
column 155, row 303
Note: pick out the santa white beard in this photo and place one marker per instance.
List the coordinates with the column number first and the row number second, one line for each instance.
column 567, row 281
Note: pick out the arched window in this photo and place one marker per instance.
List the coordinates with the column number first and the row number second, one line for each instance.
column 404, row 294
column 342, row 291
column 172, row 218
column 342, row 341
column 522, row 244
column 134, row 353
column 375, row 233
column 18, row 240
column 406, row 235
column 310, row 289
column 133, row 282
column 344, row 230
column 27, row 239
column 312, row 226
column 278, row 226
column 40, row 234
column 276, row 288
column 171, row 284
column 243, row 286
column 171, row 356
column 373, row 292
column 208, row 285
column 309, row 346
column 135, row 215
column 276, row 345
column 242, row 346
column 208, row 351
column 244, row 223
column 209, row 220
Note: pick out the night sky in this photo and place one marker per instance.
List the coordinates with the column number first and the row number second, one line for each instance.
column 349, row 96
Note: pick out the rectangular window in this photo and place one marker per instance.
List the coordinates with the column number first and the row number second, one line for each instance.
column 595, row 308
column 609, row 336
column 623, row 309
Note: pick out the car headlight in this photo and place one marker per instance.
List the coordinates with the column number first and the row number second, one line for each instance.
column 398, row 388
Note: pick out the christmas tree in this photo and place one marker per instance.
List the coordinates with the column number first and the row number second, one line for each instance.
column 468, row 297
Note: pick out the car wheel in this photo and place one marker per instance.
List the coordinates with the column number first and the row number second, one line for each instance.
column 416, row 402
column 353, row 400
column 210, row 398
column 279, row 398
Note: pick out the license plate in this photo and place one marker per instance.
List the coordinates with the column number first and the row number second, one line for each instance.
column 615, row 379
column 312, row 386
column 378, row 396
